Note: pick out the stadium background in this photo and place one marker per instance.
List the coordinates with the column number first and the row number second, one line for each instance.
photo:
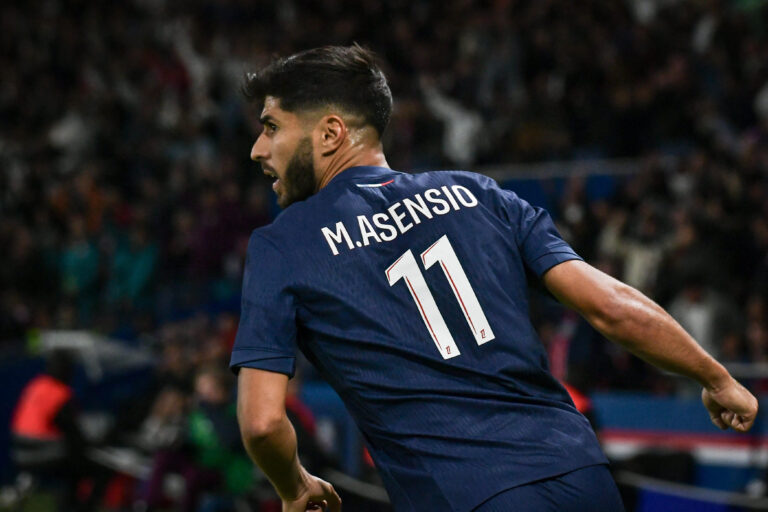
column 127, row 196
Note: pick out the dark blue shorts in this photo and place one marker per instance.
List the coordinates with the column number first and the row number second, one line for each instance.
column 586, row 489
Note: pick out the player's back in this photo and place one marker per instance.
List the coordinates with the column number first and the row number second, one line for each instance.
column 409, row 293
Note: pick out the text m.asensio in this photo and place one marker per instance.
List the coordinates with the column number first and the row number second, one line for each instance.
column 399, row 217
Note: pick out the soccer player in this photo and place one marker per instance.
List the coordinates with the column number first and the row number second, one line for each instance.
column 408, row 292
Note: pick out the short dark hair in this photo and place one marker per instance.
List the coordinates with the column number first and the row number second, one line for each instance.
column 346, row 76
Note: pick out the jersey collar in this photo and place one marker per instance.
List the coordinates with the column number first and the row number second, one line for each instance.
column 367, row 172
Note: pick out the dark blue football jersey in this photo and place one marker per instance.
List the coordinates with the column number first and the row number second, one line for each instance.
column 409, row 293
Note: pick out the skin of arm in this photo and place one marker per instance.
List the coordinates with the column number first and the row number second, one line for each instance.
column 270, row 441
column 629, row 318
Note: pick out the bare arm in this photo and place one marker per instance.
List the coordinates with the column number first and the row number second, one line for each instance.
column 629, row 318
column 270, row 441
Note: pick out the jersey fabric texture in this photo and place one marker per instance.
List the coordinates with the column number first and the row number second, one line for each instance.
column 438, row 364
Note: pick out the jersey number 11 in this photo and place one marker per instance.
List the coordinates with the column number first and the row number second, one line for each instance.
column 406, row 267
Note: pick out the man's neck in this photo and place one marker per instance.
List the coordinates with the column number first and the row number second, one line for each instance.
column 362, row 157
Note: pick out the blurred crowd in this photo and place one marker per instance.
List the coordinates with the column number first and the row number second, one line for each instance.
column 690, row 232
column 127, row 196
column 173, row 444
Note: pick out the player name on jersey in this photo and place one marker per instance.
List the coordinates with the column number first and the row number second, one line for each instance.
column 398, row 218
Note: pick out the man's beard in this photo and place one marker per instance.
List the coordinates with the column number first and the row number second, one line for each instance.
column 299, row 180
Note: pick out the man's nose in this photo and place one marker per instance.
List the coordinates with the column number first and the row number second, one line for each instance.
column 259, row 151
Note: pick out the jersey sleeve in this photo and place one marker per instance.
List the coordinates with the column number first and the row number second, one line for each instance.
column 266, row 336
column 540, row 244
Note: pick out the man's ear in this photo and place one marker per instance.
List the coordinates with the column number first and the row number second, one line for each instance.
column 332, row 133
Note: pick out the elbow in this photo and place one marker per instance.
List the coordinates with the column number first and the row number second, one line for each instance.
column 612, row 309
column 258, row 427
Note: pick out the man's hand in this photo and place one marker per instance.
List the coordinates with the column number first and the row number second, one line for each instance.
column 730, row 406
column 317, row 494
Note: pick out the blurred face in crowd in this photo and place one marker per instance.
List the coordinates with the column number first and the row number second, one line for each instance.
column 209, row 390
column 169, row 404
column 284, row 149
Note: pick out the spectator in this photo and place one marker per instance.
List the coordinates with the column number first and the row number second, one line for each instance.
column 211, row 459
column 48, row 440
column 163, row 428
column 79, row 268
column 133, row 266
column 701, row 312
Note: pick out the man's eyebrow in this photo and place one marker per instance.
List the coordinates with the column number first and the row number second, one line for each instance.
column 265, row 119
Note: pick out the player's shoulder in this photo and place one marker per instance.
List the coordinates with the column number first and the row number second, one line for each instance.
column 486, row 189
column 288, row 222
column 266, row 239
column 458, row 177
